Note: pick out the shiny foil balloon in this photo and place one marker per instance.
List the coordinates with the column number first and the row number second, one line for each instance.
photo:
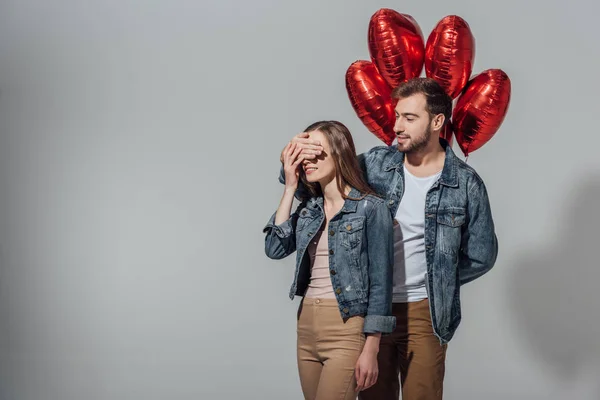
column 396, row 46
column 450, row 54
column 480, row 109
column 371, row 99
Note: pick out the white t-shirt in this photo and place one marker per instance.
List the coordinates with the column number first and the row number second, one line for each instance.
column 410, row 264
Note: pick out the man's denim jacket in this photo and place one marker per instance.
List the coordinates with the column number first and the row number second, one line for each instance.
column 361, row 253
column 460, row 239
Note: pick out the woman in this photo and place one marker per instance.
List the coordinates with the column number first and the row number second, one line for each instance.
column 343, row 237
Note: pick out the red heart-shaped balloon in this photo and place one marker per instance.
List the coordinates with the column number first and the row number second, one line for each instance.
column 450, row 54
column 371, row 99
column 396, row 46
column 480, row 109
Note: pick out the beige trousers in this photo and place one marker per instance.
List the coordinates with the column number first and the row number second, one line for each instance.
column 413, row 353
column 327, row 349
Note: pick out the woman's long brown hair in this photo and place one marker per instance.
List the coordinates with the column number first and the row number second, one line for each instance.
column 343, row 152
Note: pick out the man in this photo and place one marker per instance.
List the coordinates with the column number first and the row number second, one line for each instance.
column 444, row 237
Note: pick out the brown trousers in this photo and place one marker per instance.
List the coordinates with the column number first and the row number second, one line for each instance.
column 413, row 352
column 328, row 348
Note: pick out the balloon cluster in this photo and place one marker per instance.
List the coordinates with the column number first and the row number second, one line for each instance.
column 398, row 53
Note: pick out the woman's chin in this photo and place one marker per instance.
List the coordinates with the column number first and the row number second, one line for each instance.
column 311, row 179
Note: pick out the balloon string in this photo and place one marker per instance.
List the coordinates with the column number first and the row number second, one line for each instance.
column 467, row 159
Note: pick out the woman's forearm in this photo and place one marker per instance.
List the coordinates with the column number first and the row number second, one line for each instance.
column 285, row 205
column 372, row 342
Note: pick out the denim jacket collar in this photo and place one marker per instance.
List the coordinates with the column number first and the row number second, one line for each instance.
column 449, row 175
column 349, row 204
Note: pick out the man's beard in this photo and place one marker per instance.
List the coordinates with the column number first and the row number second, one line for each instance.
column 418, row 143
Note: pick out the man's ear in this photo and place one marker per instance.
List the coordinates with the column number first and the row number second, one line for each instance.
column 438, row 122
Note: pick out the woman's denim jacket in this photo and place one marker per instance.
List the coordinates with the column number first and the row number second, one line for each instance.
column 361, row 255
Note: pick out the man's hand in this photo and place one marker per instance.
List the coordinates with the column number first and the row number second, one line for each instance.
column 309, row 148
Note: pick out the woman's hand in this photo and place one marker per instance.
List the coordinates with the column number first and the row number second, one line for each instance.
column 291, row 162
column 366, row 370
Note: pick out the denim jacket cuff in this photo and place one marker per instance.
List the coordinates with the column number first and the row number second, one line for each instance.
column 379, row 323
column 282, row 230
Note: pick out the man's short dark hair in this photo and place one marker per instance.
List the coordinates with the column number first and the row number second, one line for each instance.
column 438, row 101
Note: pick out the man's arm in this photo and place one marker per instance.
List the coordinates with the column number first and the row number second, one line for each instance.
column 311, row 149
column 479, row 245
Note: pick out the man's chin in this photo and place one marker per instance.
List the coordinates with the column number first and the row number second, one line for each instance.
column 403, row 147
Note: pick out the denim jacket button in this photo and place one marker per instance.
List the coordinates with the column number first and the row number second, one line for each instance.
column 331, row 232
column 338, row 290
column 345, row 310
column 332, row 272
column 391, row 202
column 331, row 251
column 348, row 227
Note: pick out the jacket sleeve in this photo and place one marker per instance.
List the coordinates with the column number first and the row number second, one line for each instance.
column 479, row 244
column 280, row 240
column 380, row 247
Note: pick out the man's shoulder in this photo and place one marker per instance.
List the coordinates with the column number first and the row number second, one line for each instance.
column 382, row 150
column 468, row 174
column 380, row 153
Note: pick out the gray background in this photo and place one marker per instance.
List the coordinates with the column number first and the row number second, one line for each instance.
column 139, row 161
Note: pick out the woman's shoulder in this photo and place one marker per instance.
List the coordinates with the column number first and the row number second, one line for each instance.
column 373, row 198
column 370, row 201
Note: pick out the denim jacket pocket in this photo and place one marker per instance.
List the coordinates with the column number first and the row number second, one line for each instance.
column 351, row 231
column 450, row 222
